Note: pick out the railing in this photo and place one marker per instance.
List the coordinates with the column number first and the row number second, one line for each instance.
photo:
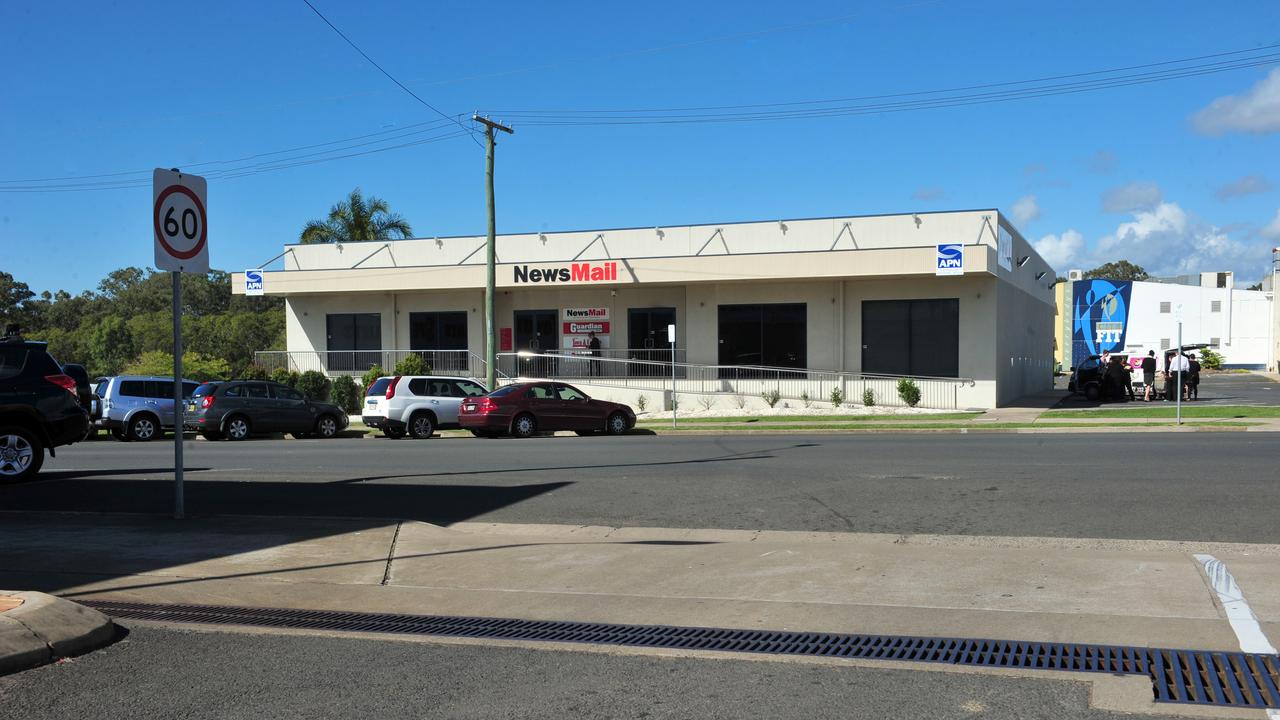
column 743, row 380
column 358, row 362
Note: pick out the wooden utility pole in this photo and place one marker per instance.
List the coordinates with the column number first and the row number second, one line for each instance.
column 490, row 326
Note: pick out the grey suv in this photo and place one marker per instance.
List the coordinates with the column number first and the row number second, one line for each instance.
column 240, row 408
column 137, row 407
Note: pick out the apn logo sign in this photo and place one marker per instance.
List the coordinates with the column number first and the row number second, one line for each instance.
column 577, row 272
column 950, row 259
column 253, row 282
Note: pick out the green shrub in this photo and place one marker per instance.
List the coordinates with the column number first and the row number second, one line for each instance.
column 314, row 385
column 285, row 377
column 370, row 375
column 869, row 397
column 1210, row 360
column 346, row 395
column 771, row 397
column 909, row 392
column 804, row 399
column 413, row 364
column 837, row 397
column 254, row 372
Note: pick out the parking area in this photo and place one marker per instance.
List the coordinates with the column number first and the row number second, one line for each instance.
column 1215, row 389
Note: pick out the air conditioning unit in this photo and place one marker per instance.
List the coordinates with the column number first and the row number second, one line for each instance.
column 1074, row 275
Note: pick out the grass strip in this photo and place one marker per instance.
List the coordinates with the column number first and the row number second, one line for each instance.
column 936, row 426
column 759, row 419
column 1189, row 410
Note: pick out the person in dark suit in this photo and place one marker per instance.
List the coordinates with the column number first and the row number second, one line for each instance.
column 594, row 347
column 1148, row 375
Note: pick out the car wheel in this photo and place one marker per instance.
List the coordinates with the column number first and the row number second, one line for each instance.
column 21, row 454
column 143, row 428
column 210, row 435
column 238, row 428
column 393, row 433
column 421, row 426
column 326, row 426
column 1091, row 392
column 524, row 426
column 617, row 424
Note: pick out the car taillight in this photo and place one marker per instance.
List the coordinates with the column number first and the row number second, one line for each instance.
column 66, row 382
column 206, row 401
column 391, row 389
column 486, row 406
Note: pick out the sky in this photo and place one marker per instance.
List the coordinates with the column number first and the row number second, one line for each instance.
column 1178, row 176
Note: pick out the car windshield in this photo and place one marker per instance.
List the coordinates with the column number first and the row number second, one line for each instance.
column 505, row 390
column 205, row 389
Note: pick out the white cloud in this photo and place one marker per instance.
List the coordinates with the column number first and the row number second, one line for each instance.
column 1061, row 251
column 928, row 193
column 1025, row 210
column 1166, row 240
column 1133, row 197
column 1247, row 185
column 1257, row 110
column 1272, row 230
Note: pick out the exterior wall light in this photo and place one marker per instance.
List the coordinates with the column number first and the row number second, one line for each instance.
column 658, row 231
column 1041, row 274
column 1023, row 260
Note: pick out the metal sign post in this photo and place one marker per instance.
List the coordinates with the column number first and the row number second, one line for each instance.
column 181, row 226
column 1179, row 359
column 671, row 338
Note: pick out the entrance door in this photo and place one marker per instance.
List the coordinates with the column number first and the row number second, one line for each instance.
column 647, row 338
column 536, row 332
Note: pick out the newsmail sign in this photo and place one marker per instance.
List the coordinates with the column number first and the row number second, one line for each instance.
column 571, row 273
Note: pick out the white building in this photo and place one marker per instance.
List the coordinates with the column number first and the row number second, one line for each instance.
column 1134, row 317
column 956, row 296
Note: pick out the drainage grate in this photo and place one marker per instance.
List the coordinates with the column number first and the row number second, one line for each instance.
column 1177, row 676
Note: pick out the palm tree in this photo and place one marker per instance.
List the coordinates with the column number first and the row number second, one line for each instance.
column 357, row 219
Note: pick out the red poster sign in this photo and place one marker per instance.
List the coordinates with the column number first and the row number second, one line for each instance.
column 504, row 339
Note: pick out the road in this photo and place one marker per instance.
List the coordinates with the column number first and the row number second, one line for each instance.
column 158, row 672
column 1193, row 486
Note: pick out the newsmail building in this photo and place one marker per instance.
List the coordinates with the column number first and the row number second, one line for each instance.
column 958, row 301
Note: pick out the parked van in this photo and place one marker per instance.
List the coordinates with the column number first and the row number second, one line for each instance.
column 137, row 407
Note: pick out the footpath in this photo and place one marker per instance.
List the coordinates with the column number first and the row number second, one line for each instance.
column 1118, row 592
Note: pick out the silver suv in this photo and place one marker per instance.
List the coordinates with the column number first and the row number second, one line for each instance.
column 135, row 407
column 417, row 404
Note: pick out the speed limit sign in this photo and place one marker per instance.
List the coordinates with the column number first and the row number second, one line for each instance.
column 180, row 219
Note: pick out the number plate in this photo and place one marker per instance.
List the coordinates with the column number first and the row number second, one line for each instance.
column 469, row 407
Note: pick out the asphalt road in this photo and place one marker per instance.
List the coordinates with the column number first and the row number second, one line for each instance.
column 156, row 672
column 1192, row 486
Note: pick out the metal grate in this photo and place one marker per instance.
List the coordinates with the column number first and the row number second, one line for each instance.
column 1177, row 676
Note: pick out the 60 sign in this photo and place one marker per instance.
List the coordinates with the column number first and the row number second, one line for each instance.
column 180, row 222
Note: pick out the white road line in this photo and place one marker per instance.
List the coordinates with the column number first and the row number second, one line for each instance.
column 1243, row 622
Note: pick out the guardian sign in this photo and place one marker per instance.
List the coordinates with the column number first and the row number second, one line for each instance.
column 950, row 259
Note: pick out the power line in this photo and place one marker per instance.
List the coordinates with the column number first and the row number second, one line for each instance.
column 1039, row 87
column 384, row 72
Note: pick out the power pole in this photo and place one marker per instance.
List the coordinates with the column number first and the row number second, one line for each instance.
column 490, row 327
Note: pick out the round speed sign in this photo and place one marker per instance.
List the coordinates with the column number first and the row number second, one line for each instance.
column 180, row 222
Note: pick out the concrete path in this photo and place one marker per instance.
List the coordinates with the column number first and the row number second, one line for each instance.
column 1046, row 589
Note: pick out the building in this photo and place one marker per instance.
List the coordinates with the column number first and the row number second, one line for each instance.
column 959, row 296
column 1137, row 316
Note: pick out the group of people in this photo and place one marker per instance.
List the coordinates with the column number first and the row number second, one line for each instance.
column 1117, row 380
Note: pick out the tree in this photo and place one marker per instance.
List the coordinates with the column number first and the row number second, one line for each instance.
column 194, row 366
column 110, row 346
column 315, row 385
column 357, row 220
column 1255, row 286
column 1118, row 270
column 13, row 296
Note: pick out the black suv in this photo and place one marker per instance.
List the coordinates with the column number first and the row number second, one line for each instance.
column 39, row 407
column 239, row 408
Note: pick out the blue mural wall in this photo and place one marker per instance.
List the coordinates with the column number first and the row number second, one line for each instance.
column 1100, row 317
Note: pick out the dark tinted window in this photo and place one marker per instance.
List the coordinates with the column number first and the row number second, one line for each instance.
column 159, row 389
column 466, row 388
column 504, row 390
column 418, row 386
column 775, row 335
column 286, row 393
column 206, row 389
column 133, row 388
column 379, row 387
column 256, row 390
column 11, row 361
column 911, row 337
column 188, row 388
column 440, row 388
column 438, row 331
column 101, row 389
column 234, row 391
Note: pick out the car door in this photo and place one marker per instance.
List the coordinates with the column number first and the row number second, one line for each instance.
column 576, row 409
column 160, row 397
column 291, row 409
column 260, row 407
column 546, row 407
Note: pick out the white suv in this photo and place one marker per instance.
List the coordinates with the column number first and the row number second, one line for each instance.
column 416, row 404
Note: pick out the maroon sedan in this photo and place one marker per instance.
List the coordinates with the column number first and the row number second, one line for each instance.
column 523, row 409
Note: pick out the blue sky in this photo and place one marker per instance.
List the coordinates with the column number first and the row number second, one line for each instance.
column 1179, row 176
